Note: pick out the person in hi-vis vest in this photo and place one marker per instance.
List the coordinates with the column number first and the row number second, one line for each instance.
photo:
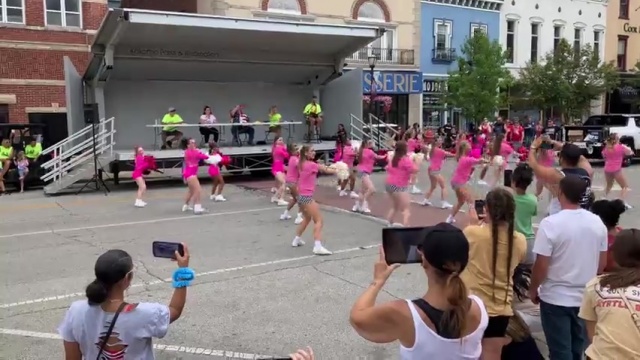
column 6, row 156
column 33, row 150
column 313, row 115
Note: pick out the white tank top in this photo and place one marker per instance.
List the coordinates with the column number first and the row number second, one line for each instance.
column 430, row 345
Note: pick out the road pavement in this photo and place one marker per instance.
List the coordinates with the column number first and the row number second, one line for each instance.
column 254, row 294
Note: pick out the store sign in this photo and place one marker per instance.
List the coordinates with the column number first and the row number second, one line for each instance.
column 170, row 53
column 392, row 82
column 628, row 28
column 434, row 86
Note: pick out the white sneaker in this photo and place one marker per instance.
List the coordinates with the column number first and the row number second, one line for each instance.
column 426, row 202
column 397, row 225
column 139, row 203
column 450, row 220
column 212, row 197
column 321, row 250
column 354, row 195
column 219, row 198
column 297, row 241
column 343, row 193
column 198, row 209
column 339, row 188
column 628, row 206
column 273, row 189
column 365, row 209
column 285, row 216
column 274, row 199
column 186, row 208
column 415, row 190
column 282, row 202
column 299, row 219
column 446, row 205
column 356, row 207
column 483, row 183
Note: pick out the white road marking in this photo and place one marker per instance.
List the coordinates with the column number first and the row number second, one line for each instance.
column 226, row 354
column 141, row 222
column 206, row 273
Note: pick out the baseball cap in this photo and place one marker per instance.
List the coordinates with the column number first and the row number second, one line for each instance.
column 445, row 247
column 172, row 109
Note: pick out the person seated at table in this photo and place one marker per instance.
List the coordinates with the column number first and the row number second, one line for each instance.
column 274, row 121
column 6, row 156
column 33, row 150
column 169, row 130
column 208, row 118
column 313, row 115
column 239, row 117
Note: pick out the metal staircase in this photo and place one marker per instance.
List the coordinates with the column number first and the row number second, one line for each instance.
column 72, row 158
column 375, row 130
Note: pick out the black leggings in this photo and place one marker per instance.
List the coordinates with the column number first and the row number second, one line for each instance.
column 207, row 131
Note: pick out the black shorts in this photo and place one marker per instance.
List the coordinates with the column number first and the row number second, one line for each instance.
column 172, row 132
column 497, row 327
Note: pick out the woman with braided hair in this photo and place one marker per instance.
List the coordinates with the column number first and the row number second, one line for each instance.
column 495, row 250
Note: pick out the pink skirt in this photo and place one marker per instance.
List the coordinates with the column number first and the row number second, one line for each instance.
column 214, row 170
column 136, row 174
column 190, row 171
column 277, row 167
column 476, row 153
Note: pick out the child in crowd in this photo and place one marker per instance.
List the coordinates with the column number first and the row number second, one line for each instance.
column 23, row 169
column 216, row 176
column 610, row 211
column 526, row 206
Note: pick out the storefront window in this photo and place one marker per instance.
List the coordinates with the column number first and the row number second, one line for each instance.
column 434, row 112
column 397, row 113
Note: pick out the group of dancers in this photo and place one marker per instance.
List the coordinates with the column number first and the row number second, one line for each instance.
column 295, row 172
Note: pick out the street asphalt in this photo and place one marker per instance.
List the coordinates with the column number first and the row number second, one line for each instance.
column 254, row 294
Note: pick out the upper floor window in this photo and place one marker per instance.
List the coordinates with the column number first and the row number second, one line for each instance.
column 624, row 9
column 577, row 39
column 12, row 11
column 479, row 28
column 535, row 43
column 511, row 41
column 557, row 36
column 597, row 40
column 370, row 11
column 383, row 47
column 63, row 13
column 621, row 60
column 284, row 7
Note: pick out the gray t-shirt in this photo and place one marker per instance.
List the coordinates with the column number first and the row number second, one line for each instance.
column 131, row 336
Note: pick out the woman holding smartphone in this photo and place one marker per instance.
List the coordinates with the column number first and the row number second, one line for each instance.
column 105, row 325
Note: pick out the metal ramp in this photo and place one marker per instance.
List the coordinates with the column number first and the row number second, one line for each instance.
column 72, row 158
column 375, row 130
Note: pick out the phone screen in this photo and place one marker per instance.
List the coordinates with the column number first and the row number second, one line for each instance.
column 507, row 178
column 401, row 245
column 479, row 207
column 167, row 250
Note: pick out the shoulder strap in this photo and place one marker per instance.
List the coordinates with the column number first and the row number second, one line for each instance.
column 634, row 315
column 110, row 330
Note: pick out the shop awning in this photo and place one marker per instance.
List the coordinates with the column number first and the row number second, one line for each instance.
column 153, row 45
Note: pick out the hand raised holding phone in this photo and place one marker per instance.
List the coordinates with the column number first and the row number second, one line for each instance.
column 182, row 259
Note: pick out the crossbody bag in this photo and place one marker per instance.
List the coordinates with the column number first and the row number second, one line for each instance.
column 110, row 330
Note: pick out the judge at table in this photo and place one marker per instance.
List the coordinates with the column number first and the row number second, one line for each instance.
column 169, row 130
column 239, row 117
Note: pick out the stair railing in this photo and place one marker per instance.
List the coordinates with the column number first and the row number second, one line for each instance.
column 78, row 148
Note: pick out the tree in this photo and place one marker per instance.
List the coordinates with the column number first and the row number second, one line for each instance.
column 567, row 80
column 635, row 81
column 474, row 86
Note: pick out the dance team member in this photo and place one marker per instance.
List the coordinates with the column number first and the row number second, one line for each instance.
column 308, row 174
column 399, row 172
column 500, row 153
column 139, row 166
column 279, row 154
column 461, row 177
column 366, row 159
column 413, row 146
column 349, row 157
column 437, row 155
column 216, row 176
column 614, row 153
column 341, row 140
column 546, row 158
column 291, row 180
column 192, row 158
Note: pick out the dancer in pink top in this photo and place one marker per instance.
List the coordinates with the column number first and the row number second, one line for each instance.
column 437, row 157
column 291, row 181
column 279, row 154
column 614, row 153
column 308, row 174
column 501, row 151
column 461, row 177
column 192, row 158
column 216, row 176
column 140, row 165
column 413, row 146
column 366, row 160
column 349, row 157
column 546, row 158
column 399, row 171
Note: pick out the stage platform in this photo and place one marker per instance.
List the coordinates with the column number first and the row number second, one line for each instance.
column 127, row 155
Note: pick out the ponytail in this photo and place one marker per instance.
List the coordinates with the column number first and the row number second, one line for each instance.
column 303, row 157
column 455, row 319
column 364, row 144
column 96, row 292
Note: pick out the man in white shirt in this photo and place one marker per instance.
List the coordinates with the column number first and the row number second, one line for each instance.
column 570, row 249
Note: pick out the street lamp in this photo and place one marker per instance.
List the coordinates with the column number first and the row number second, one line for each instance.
column 372, row 88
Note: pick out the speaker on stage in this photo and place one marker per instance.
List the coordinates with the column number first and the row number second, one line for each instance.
column 91, row 113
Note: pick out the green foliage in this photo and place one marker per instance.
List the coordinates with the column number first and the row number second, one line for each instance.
column 635, row 80
column 473, row 88
column 567, row 80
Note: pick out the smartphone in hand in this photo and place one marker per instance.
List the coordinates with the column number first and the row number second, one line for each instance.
column 507, row 178
column 167, row 250
column 401, row 245
column 479, row 207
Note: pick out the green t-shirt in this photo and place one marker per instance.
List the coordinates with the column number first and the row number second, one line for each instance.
column 33, row 151
column 526, row 209
column 274, row 119
column 168, row 119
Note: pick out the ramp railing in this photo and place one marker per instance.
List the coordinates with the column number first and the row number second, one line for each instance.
column 76, row 149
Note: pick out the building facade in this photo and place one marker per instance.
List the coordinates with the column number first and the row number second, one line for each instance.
column 446, row 25
column 531, row 29
column 622, row 48
column 396, row 51
column 35, row 36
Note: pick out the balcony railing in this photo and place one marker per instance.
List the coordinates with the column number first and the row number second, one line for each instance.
column 443, row 55
column 385, row 56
